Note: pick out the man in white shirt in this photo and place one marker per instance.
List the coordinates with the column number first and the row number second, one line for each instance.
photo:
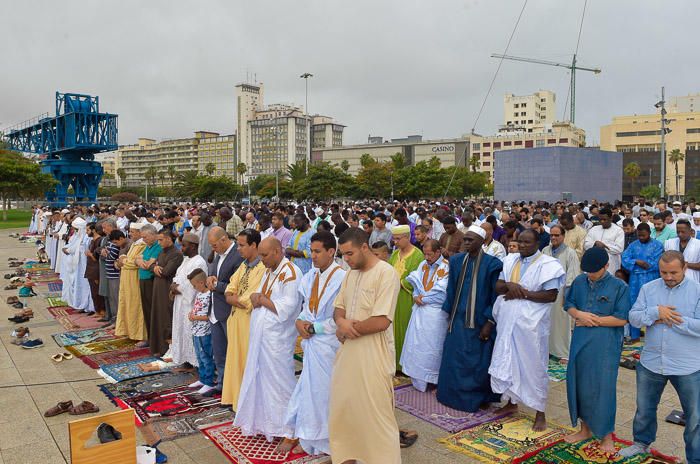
column 491, row 246
column 265, row 225
column 608, row 236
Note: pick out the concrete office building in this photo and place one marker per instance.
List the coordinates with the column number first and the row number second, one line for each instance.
column 525, row 112
column 638, row 138
column 558, row 173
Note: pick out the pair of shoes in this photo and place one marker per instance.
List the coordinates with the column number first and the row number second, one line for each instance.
column 58, row 357
column 85, row 407
column 18, row 319
column 60, row 408
column 12, row 300
column 31, row 344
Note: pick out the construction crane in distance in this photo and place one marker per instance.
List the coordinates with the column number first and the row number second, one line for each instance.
column 573, row 67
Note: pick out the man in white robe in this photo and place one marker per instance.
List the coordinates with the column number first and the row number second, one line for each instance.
column 492, row 247
column 307, row 413
column 76, row 288
column 427, row 328
column 36, row 219
column 268, row 381
column 182, row 346
column 56, row 225
column 689, row 246
column 63, row 230
column 608, row 236
column 528, row 285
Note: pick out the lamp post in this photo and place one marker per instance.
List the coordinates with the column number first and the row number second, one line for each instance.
column 306, row 77
column 664, row 130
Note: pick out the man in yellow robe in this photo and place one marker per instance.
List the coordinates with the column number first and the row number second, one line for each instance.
column 130, row 321
column 244, row 282
column 362, row 425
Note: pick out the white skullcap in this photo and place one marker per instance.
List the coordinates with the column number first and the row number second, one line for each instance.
column 318, row 211
column 478, row 231
column 64, row 211
column 696, row 215
column 79, row 223
column 47, row 213
column 136, row 225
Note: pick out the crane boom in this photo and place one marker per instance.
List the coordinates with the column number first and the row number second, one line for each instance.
column 571, row 67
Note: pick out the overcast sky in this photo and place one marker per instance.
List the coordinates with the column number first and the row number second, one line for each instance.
column 387, row 68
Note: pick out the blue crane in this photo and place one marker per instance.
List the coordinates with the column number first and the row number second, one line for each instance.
column 67, row 144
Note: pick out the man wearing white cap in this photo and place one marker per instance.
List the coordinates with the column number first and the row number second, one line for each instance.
column 689, row 246
column 130, row 322
column 76, row 288
column 61, row 233
column 678, row 212
column 696, row 224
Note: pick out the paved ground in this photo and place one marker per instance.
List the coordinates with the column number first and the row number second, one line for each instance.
column 30, row 383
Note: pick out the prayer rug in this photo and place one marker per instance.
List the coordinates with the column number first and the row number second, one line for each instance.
column 152, row 384
column 55, row 286
column 127, row 370
column 632, row 350
column 79, row 321
column 254, row 450
column 426, row 406
column 400, row 381
column 589, row 452
column 49, row 294
column 79, row 337
column 100, row 347
column 53, row 302
column 504, row 439
column 115, row 357
column 169, row 428
column 168, row 403
column 60, row 311
column 556, row 370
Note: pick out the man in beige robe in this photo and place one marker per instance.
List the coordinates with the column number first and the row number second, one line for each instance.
column 362, row 425
column 130, row 321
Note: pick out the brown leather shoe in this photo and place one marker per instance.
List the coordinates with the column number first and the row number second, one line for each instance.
column 85, row 407
column 60, row 408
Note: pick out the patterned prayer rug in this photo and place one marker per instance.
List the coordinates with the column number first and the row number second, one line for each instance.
column 53, row 302
column 115, row 357
column 127, row 370
column 170, row 428
column 79, row 337
column 631, row 354
column 55, row 286
column 504, row 439
column 60, row 311
column 48, row 294
column 168, row 403
column 426, row 406
column 100, row 347
column 589, row 452
column 151, row 384
column 556, row 370
column 254, row 450
column 79, row 321
column 401, row 381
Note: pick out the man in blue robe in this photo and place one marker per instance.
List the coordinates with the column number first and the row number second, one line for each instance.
column 641, row 259
column 600, row 304
column 464, row 382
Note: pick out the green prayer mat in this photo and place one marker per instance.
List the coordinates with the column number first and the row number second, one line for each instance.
column 556, row 371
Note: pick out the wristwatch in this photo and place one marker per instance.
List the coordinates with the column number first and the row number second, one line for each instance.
column 311, row 329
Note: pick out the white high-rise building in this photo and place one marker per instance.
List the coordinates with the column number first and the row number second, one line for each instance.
column 524, row 112
column 249, row 100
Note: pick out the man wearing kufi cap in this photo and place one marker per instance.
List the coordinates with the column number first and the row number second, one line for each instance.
column 471, row 291
column 76, row 288
column 405, row 259
column 182, row 347
column 696, row 224
column 600, row 304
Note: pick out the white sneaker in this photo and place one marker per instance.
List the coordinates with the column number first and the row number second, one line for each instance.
column 633, row 450
column 196, row 384
column 205, row 389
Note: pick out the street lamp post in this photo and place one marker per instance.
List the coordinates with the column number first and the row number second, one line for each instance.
column 306, row 76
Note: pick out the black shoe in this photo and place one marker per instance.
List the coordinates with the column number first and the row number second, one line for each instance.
column 106, row 433
column 18, row 319
column 211, row 393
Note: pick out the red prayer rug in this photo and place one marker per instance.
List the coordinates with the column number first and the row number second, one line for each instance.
column 77, row 321
column 116, row 357
column 168, row 403
column 254, row 450
column 588, row 452
column 424, row 405
column 60, row 311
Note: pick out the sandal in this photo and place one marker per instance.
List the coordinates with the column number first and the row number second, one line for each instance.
column 85, row 407
column 67, row 356
column 58, row 357
column 628, row 364
column 20, row 332
column 407, row 438
column 60, row 408
column 12, row 300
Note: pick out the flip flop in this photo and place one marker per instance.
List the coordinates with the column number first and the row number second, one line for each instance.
column 58, row 357
column 67, row 356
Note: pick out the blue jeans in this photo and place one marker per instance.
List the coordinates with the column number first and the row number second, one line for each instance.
column 202, row 348
column 650, row 386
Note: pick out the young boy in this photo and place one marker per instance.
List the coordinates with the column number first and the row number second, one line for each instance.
column 201, row 332
column 380, row 249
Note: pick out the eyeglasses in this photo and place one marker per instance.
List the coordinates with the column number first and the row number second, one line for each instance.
column 555, row 235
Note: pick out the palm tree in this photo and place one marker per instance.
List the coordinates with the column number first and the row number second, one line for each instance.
column 241, row 169
column 121, row 172
column 632, row 170
column 172, row 172
column 150, row 174
column 210, row 168
column 345, row 166
column 474, row 163
column 161, row 178
column 675, row 157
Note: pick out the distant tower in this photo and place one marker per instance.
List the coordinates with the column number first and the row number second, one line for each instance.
column 249, row 99
column 69, row 142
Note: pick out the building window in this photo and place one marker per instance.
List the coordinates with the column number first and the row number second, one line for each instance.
column 693, row 130
column 524, row 105
column 564, row 140
column 515, row 114
column 551, row 141
column 507, row 143
column 540, row 143
column 476, row 146
column 528, row 144
column 518, row 142
column 486, row 163
column 487, row 144
column 516, row 105
column 496, row 145
column 529, row 121
column 485, row 154
column 542, row 100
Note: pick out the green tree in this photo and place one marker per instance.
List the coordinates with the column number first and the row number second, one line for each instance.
column 21, row 178
column 149, row 175
column 474, row 163
column 398, row 161
column 172, row 173
column 345, row 165
column 121, row 172
column 210, row 168
column 466, row 183
column 424, row 179
column 324, row 182
column 633, row 171
column 374, row 178
column 650, row 191
column 676, row 157
column 241, row 169
column 161, row 178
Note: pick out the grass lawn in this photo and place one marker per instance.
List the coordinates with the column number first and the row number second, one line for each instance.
column 16, row 218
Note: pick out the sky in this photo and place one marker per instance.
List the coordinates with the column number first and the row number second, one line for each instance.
column 385, row 68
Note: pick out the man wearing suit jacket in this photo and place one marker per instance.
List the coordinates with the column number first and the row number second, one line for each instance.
column 226, row 261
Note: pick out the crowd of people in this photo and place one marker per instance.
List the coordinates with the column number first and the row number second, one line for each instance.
column 468, row 298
